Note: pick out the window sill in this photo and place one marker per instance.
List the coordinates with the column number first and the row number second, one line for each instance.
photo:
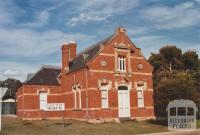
column 123, row 73
column 105, row 109
column 77, row 109
column 141, row 108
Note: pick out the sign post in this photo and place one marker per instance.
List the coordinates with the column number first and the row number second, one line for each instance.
column 55, row 107
column 2, row 93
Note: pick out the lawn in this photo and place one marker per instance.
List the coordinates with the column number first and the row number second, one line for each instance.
column 17, row 127
column 12, row 126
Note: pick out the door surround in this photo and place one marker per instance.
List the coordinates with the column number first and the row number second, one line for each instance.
column 123, row 101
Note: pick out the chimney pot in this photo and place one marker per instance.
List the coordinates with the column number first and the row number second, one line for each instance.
column 65, row 43
column 72, row 50
column 72, row 42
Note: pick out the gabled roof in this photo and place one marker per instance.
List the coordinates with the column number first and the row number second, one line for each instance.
column 83, row 57
column 47, row 75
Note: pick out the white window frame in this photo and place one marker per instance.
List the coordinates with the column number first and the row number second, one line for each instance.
column 140, row 98
column 75, row 105
column 104, row 100
column 43, row 100
column 121, row 63
column 75, row 91
column 79, row 93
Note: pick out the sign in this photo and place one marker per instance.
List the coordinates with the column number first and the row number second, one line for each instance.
column 55, row 107
column 181, row 115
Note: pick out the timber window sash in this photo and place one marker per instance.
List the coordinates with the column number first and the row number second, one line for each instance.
column 104, row 97
column 140, row 96
column 122, row 64
column 77, row 98
column 43, row 100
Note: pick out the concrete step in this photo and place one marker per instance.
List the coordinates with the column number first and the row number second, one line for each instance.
column 125, row 119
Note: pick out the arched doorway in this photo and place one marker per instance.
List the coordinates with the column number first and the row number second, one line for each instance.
column 123, row 101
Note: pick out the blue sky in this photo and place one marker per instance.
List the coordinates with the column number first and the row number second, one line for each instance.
column 32, row 31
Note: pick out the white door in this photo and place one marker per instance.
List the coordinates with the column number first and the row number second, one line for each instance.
column 123, row 101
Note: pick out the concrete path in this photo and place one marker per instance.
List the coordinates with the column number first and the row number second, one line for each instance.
column 191, row 132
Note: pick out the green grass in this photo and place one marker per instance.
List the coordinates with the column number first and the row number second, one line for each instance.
column 72, row 127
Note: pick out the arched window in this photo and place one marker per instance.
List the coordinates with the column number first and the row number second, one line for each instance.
column 122, row 88
column 121, row 63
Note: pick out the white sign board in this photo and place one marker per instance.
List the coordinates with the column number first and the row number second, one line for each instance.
column 55, row 107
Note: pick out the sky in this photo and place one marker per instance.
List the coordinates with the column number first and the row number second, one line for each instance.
column 32, row 31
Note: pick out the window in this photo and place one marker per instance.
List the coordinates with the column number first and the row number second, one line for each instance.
column 140, row 98
column 181, row 111
column 121, row 63
column 104, row 97
column 190, row 111
column 173, row 111
column 77, row 98
column 43, row 100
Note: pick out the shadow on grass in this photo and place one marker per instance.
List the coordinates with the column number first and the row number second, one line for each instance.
column 162, row 122
column 64, row 125
column 27, row 123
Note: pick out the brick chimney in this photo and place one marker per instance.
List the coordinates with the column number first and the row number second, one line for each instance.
column 68, row 54
column 65, row 57
column 72, row 52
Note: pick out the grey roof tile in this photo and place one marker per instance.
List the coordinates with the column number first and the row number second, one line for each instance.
column 83, row 57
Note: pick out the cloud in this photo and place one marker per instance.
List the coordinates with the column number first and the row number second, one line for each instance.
column 152, row 43
column 163, row 17
column 24, row 45
column 100, row 10
column 84, row 18
column 29, row 43
column 41, row 19
column 149, row 43
column 198, row 1
column 134, row 31
column 10, row 72
column 8, row 12
column 15, row 70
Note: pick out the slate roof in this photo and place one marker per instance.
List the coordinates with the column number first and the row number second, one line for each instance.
column 86, row 55
column 45, row 76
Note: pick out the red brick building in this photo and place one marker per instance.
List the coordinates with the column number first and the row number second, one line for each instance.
column 110, row 79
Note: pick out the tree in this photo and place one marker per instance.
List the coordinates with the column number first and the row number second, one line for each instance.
column 190, row 59
column 172, row 80
column 165, row 62
column 196, row 78
column 12, row 85
column 180, row 87
column 171, row 54
column 156, row 60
